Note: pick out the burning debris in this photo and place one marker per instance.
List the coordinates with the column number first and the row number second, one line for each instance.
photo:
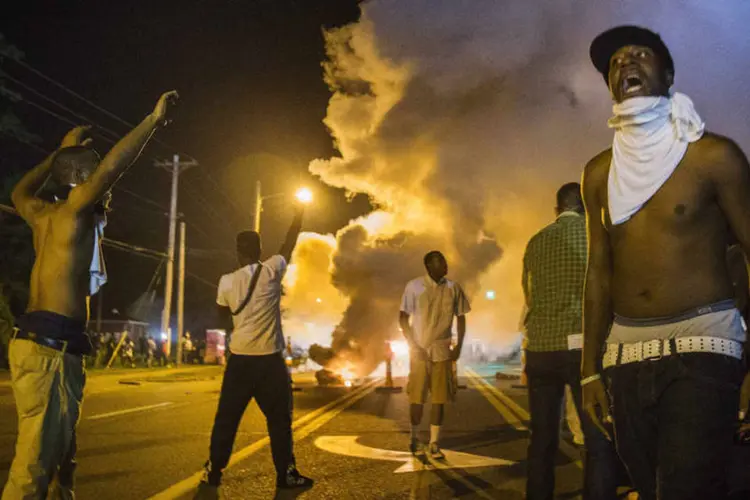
column 338, row 372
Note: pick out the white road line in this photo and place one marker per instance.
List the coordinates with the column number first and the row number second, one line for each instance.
column 303, row 427
column 129, row 410
column 565, row 447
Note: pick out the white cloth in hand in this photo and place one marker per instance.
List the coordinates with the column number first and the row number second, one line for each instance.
column 98, row 269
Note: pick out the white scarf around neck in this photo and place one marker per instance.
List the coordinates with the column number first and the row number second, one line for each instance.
column 651, row 137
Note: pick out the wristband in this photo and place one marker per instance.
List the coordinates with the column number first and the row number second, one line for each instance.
column 591, row 378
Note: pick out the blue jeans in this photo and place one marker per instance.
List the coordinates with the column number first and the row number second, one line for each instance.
column 674, row 423
column 548, row 373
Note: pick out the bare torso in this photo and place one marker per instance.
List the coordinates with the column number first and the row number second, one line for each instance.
column 64, row 245
column 671, row 255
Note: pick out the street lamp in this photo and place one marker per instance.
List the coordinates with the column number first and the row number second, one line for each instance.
column 303, row 195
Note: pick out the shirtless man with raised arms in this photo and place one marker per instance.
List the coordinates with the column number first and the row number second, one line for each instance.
column 46, row 353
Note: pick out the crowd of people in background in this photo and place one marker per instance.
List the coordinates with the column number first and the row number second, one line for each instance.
column 139, row 351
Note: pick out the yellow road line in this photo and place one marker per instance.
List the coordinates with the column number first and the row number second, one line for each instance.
column 503, row 410
column 517, row 409
column 565, row 447
column 303, row 427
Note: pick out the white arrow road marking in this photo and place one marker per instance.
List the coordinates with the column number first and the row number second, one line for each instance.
column 348, row 445
column 507, row 407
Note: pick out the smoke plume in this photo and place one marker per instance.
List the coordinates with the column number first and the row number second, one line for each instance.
column 460, row 120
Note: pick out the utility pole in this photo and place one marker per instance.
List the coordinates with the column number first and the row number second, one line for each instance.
column 181, row 295
column 175, row 166
column 258, row 207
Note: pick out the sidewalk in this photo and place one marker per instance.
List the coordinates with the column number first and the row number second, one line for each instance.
column 97, row 377
column 103, row 375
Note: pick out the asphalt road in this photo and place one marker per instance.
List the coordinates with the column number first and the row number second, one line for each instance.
column 150, row 441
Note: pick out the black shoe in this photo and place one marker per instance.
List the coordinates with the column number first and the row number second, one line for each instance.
column 207, row 491
column 293, row 479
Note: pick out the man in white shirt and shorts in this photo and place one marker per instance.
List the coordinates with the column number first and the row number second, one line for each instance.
column 428, row 307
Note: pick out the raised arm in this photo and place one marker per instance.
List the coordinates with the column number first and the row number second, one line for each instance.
column 119, row 158
column 24, row 195
column 597, row 298
column 291, row 236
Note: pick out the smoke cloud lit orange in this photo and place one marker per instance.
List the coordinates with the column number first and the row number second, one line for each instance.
column 460, row 120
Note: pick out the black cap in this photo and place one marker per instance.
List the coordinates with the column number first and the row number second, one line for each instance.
column 605, row 45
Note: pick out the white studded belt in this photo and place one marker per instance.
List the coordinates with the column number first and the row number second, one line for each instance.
column 621, row 354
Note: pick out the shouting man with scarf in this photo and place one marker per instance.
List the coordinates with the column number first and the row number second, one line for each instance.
column 47, row 349
column 660, row 322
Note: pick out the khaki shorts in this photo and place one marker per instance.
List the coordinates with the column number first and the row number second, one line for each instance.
column 434, row 377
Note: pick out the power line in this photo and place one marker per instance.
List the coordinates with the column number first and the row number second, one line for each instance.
column 202, row 280
column 127, row 250
column 108, row 241
column 208, row 209
column 72, row 92
column 155, row 277
column 51, row 113
column 117, row 186
column 143, row 198
column 85, row 119
column 87, row 101
column 126, row 247
column 124, row 122
column 221, row 191
column 28, row 143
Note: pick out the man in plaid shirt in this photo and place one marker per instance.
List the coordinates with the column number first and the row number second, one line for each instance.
column 554, row 267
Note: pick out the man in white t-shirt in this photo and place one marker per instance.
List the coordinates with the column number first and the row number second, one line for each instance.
column 428, row 307
column 256, row 368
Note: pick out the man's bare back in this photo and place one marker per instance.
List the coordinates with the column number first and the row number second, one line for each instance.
column 671, row 255
column 64, row 245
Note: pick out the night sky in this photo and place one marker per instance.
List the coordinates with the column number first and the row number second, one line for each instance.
column 252, row 104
